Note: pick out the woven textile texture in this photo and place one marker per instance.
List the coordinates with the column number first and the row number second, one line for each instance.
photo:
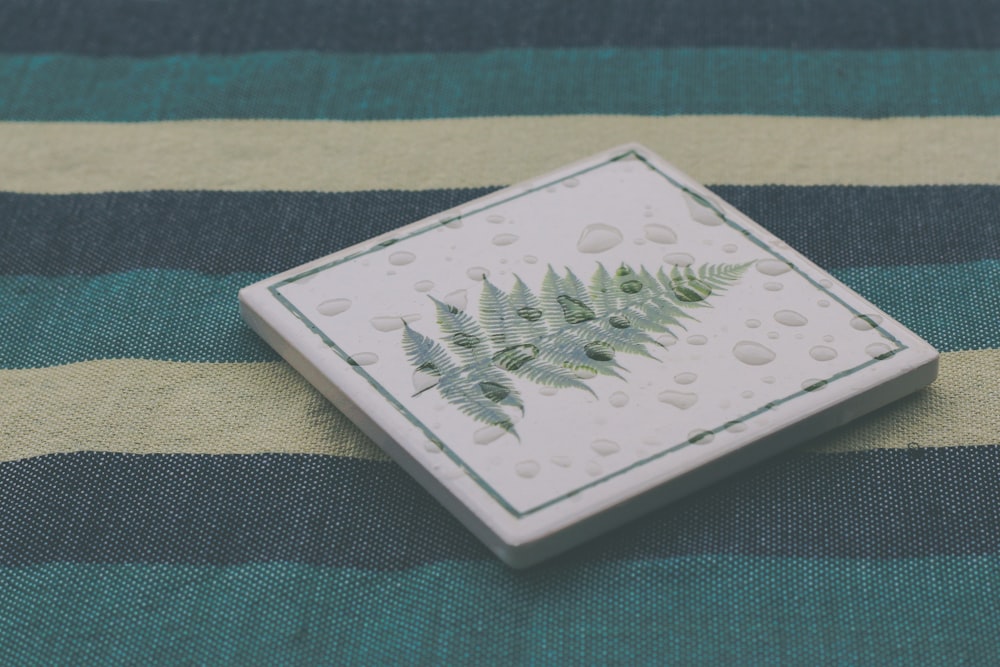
column 173, row 493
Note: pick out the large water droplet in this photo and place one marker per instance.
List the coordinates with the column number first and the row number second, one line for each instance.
column 333, row 307
column 753, row 354
column 401, row 258
column 605, row 447
column 458, row 299
column 699, row 209
column 423, row 286
column 700, row 437
column 527, row 469
column 790, row 318
column 685, row 378
column 696, row 339
column 865, row 322
column 488, row 434
column 598, row 238
column 772, row 267
column 879, row 351
column 362, row 359
column 660, row 234
column 678, row 399
column 619, row 399
column 504, row 239
column 393, row 322
column 679, row 259
column 477, row 273
column 822, row 353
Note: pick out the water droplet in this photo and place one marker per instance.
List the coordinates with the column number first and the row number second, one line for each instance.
column 822, row 353
column 562, row 461
column 700, row 210
column 828, row 338
column 548, row 391
column 679, row 259
column 333, row 307
column 458, row 299
column 504, row 239
column 660, row 234
column 571, row 183
column 813, row 384
column 826, row 282
column 530, row 259
column 696, row 339
column 431, row 447
column 585, row 373
column 598, row 237
column 879, row 351
column 454, row 223
column 769, row 379
column 730, row 248
column 527, row 469
column 423, row 286
column 865, row 322
column 605, row 447
column 747, row 394
column 753, row 354
column 390, row 272
column 700, row 437
column 773, row 335
column 790, row 318
column 666, row 340
column 685, row 378
column 593, row 468
column 772, row 267
column 362, row 359
column 753, row 324
column 736, row 426
column 423, row 380
column 393, row 322
column 678, row 399
column 823, row 303
column 477, row 273
column 401, row 258
column 618, row 399
column 773, row 287
column 488, row 434
column 495, row 218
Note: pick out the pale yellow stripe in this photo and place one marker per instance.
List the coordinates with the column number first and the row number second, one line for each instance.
column 467, row 152
column 146, row 407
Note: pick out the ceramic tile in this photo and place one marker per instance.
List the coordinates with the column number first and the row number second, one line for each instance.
column 562, row 355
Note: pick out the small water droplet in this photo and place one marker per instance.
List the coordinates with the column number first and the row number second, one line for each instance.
column 530, row 259
column 423, row 286
column 813, row 384
column 685, row 378
column 477, row 273
column 423, row 380
column 431, row 447
column 790, row 318
column 730, row 248
column 393, row 322
column 700, row 437
column 822, row 353
column 879, row 351
column 618, row 399
column 769, row 379
column 527, row 469
column 363, row 359
column 571, row 182
column 753, row 324
column 679, row 259
column 701, row 212
column 660, row 234
column 605, row 447
column 647, row 214
column 865, row 322
column 753, row 354
column 458, row 299
column 639, row 241
column 593, row 468
column 666, row 340
column 504, row 239
column 454, row 223
column 747, row 394
column 773, row 287
column 772, row 267
column 736, row 426
column 773, row 335
column 826, row 282
column 390, row 272
column 401, row 258
column 696, row 339
column 828, row 338
column 585, row 373
column 488, row 434
column 562, row 461
column 678, row 399
column 333, row 307
column 548, row 391
column 495, row 218
column 823, row 303
column 598, row 237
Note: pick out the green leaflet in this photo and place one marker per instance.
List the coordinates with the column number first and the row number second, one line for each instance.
column 568, row 332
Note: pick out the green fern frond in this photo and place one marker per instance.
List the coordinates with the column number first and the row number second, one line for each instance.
column 464, row 336
column 721, row 276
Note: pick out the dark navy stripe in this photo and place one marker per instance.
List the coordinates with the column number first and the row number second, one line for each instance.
column 118, row 27
column 201, row 509
column 267, row 232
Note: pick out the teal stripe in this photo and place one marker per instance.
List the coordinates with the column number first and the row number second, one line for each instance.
column 689, row 610
column 506, row 82
column 188, row 316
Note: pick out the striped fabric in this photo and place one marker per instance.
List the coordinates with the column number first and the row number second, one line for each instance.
column 171, row 492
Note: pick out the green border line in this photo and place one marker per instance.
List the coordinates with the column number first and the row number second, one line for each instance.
column 451, row 454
